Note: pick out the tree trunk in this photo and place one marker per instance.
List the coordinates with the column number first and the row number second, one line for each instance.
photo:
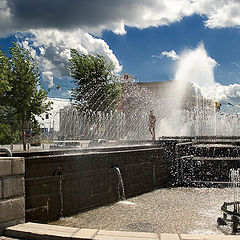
column 23, row 136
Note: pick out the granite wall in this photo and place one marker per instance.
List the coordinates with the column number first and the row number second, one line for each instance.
column 12, row 191
column 61, row 185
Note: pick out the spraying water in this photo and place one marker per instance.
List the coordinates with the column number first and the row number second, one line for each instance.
column 196, row 67
column 193, row 82
column 234, row 176
column 185, row 106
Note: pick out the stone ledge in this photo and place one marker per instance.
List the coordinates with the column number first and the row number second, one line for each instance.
column 140, row 235
column 36, row 231
column 209, row 237
column 85, row 234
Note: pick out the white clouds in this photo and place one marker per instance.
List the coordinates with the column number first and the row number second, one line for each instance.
column 220, row 13
column 171, row 54
column 47, row 76
column 54, row 47
column 226, row 93
column 94, row 16
column 5, row 18
column 58, row 26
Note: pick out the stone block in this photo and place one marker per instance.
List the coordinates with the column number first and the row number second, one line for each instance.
column 1, row 193
column 102, row 234
column 165, row 236
column 40, row 231
column 18, row 166
column 85, row 234
column 208, row 237
column 12, row 209
column 5, row 167
column 105, row 237
column 13, row 186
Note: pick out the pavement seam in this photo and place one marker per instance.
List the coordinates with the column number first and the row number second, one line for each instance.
column 179, row 236
column 95, row 234
column 75, row 233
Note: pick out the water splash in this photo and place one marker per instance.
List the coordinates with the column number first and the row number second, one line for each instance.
column 184, row 106
column 126, row 202
column 234, row 176
column 121, row 189
column 196, row 67
column 193, row 82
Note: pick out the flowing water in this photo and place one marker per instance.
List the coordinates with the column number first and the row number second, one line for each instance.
column 176, row 210
column 121, row 190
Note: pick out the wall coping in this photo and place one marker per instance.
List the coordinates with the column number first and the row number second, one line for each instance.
column 36, row 231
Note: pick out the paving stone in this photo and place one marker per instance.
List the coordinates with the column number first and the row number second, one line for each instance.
column 18, row 166
column 209, row 237
column 105, row 237
column 13, row 186
column 35, row 231
column 128, row 234
column 5, row 167
column 165, row 236
column 12, row 209
column 85, row 234
column 40, row 231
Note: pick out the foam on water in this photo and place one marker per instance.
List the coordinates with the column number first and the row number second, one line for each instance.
column 126, row 202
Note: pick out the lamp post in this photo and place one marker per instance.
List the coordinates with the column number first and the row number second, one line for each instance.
column 234, row 107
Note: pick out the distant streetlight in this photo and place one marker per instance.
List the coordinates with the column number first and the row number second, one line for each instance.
column 235, row 108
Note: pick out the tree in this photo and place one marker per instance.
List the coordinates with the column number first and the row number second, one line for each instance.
column 97, row 88
column 8, row 128
column 25, row 94
column 4, row 77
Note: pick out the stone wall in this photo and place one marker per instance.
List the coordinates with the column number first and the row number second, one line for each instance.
column 61, row 185
column 12, row 191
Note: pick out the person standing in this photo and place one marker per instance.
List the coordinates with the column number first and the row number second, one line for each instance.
column 152, row 122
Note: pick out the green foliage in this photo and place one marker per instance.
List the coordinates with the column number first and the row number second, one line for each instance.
column 26, row 95
column 22, row 93
column 4, row 77
column 7, row 136
column 97, row 88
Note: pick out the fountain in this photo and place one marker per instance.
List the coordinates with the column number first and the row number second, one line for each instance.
column 121, row 190
column 187, row 107
column 195, row 151
column 232, row 209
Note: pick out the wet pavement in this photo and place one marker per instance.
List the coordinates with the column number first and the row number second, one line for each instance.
column 175, row 210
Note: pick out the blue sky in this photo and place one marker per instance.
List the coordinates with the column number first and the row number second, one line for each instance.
column 136, row 35
column 136, row 49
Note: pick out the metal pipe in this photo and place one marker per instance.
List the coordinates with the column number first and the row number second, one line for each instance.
column 7, row 151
